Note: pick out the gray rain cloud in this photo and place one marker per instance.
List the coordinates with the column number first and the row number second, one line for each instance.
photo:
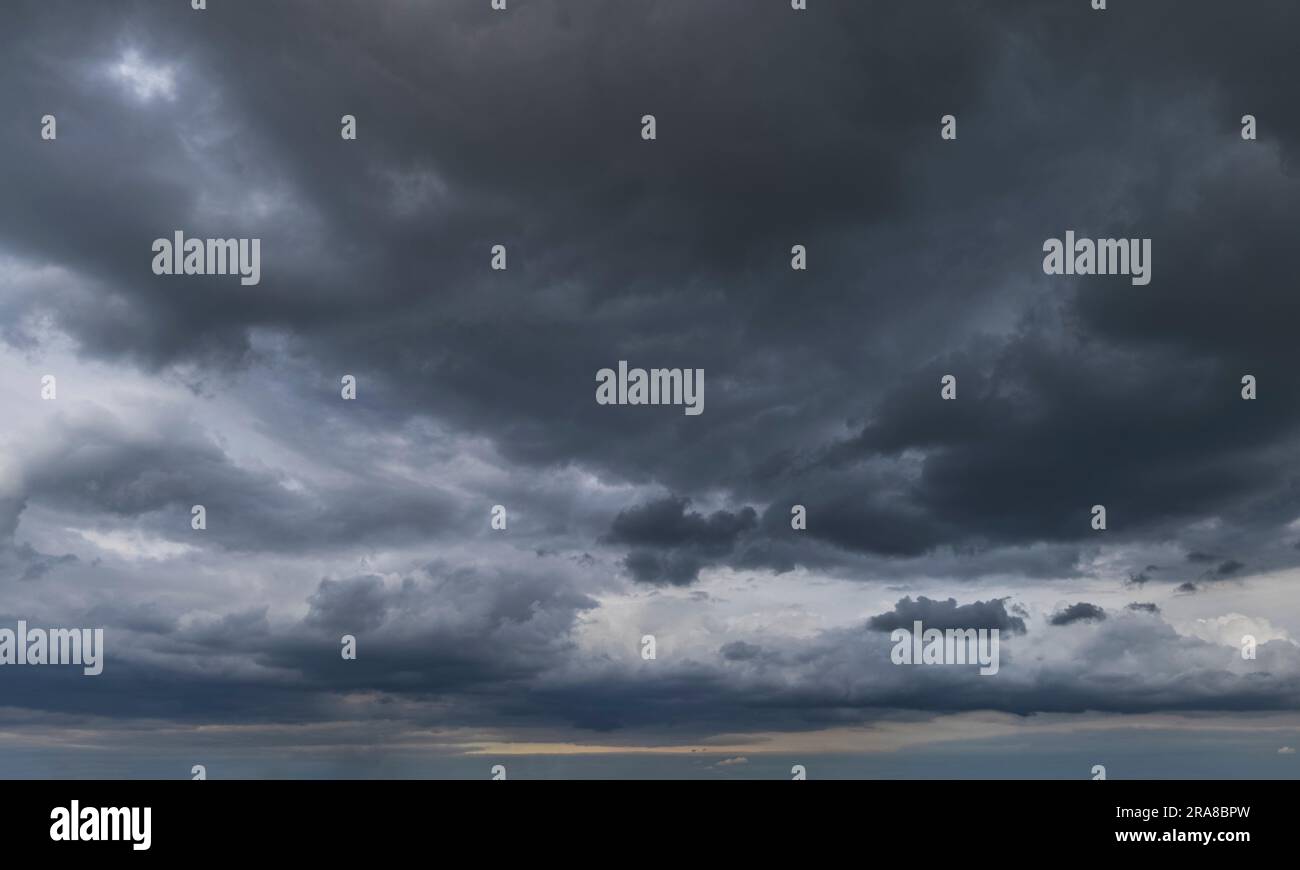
column 372, row 517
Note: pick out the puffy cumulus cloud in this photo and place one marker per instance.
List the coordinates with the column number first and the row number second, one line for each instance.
column 1230, row 629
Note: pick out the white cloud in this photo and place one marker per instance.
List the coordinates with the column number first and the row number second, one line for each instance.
column 146, row 80
column 1229, row 629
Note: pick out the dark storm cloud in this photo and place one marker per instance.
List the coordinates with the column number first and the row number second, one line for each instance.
column 1144, row 607
column 454, row 156
column 739, row 651
column 1227, row 568
column 1147, row 420
column 1079, row 612
column 592, row 214
column 440, row 636
column 446, row 648
column 358, row 604
column 443, row 632
column 1012, row 460
column 948, row 614
column 677, row 569
column 1144, row 576
column 671, row 543
column 823, row 387
column 1219, row 569
column 28, row 564
column 667, row 523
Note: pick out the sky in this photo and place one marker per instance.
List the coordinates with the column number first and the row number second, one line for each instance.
column 523, row 646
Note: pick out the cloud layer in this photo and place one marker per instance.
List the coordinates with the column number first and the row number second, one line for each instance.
column 371, row 517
